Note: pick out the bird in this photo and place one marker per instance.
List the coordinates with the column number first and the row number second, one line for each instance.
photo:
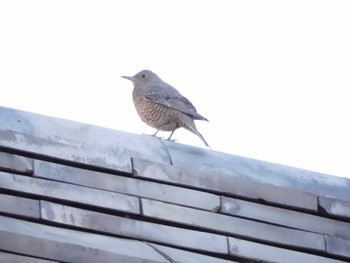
column 161, row 106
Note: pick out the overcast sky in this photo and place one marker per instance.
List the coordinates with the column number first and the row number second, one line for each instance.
column 273, row 77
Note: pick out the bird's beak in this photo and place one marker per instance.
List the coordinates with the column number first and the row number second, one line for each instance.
column 128, row 77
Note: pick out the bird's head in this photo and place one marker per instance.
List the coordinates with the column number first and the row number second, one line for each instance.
column 142, row 78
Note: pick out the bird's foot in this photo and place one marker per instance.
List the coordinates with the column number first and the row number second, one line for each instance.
column 153, row 135
column 172, row 140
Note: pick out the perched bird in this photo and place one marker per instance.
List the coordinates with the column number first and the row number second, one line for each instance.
column 161, row 106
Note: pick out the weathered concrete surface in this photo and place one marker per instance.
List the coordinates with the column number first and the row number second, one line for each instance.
column 67, row 245
column 69, row 192
column 13, row 258
column 83, row 154
column 133, row 228
column 181, row 256
column 265, row 253
column 186, row 156
column 193, row 182
column 121, row 144
column 285, row 217
column 132, row 186
column 19, row 206
column 338, row 246
column 223, row 183
column 334, row 207
column 117, row 143
column 232, row 225
column 15, row 163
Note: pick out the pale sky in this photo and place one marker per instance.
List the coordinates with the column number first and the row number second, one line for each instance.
column 273, row 77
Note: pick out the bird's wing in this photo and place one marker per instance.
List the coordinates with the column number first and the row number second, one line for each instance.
column 173, row 100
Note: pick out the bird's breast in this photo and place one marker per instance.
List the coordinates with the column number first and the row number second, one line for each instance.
column 154, row 114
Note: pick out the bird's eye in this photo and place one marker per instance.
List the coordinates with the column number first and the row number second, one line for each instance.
column 143, row 76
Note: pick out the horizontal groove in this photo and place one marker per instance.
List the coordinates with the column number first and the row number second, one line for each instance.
column 107, row 211
column 142, row 218
column 88, row 167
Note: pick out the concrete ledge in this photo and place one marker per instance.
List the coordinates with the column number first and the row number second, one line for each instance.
column 132, row 228
column 13, row 258
column 187, row 202
column 334, row 207
column 319, row 184
column 77, row 153
column 69, row 192
column 15, row 163
column 181, row 256
column 67, row 245
column 225, row 184
column 19, row 206
column 117, row 143
column 265, row 253
column 228, row 225
column 338, row 246
column 285, row 217
column 125, row 185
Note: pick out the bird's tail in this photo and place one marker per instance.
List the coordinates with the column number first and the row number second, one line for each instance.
column 197, row 116
column 202, row 138
column 191, row 126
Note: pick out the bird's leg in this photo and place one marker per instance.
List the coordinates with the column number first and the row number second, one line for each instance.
column 155, row 134
column 172, row 132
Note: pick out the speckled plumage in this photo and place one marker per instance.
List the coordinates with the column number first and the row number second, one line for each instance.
column 161, row 106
